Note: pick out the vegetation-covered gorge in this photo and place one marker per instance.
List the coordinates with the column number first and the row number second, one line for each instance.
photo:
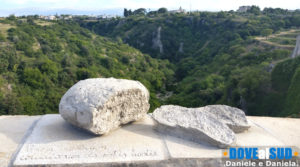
column 189, row 59
column 40, row 60
column 223, row 57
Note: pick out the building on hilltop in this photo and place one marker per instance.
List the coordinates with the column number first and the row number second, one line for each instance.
column 180, row 10
column 51, row 17
column 68, row 17
column 244, row 8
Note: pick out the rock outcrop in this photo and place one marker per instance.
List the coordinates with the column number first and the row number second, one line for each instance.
column 181, row 47
column 194, row 125
column 103, row 104
column 296, row 51
column 233, row 117
column 157, row 44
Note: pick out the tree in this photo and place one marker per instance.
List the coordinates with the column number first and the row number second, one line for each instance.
column 221, row 14
column 255, row 10
column 292, row 106
column 11, row 17
column 3, row 65
column 30, row 20
column 33, row 77
column 11, row 105
column 162, row 10
column 130, row 12
column 266, row 32
column 295, row 20
column 152, row 13
column 49, row 68
column 2, row 38
column 275, row 11
column 84, row 73
column 140, row 11
column 125, row 12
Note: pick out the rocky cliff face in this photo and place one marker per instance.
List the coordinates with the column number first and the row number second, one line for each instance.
column 181, row 47
column 297, row 48
column 157, row 44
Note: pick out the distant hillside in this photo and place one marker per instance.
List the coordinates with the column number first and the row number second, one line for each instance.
column 60, row 11
column 40, row 60
column 189, row 59
column 224, row 57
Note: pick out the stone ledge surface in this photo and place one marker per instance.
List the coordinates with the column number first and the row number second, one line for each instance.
column 286, row 130
column 12, row 131
column 53, row 142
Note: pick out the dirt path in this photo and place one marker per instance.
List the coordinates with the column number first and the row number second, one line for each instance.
column 264, row 40
column 204, row 46
column 277, row 45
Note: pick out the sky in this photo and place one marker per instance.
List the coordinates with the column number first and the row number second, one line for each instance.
column 30, row 6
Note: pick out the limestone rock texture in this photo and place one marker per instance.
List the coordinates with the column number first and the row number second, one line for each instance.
column 233, row 117
column 101, row 105
column 157, row 44
column 193, row 124
column 296, row 51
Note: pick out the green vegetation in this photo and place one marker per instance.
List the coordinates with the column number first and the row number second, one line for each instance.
column 190, row 59
column 285, row 84
column 292, row 106
column 283, row 39
column 219, row 57
column 266, row 32
column 38, row 64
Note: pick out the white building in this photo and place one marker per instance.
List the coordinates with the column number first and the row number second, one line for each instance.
column 69, row 17
column 48, row 17
column 180, row 10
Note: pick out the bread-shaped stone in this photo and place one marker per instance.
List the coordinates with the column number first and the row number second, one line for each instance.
column 101, row 105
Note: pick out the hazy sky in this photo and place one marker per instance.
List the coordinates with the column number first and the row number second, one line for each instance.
column 210, row 5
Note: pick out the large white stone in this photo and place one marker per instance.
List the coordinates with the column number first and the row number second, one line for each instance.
column 233, row 117
column 192, row 124
column 103, row 104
